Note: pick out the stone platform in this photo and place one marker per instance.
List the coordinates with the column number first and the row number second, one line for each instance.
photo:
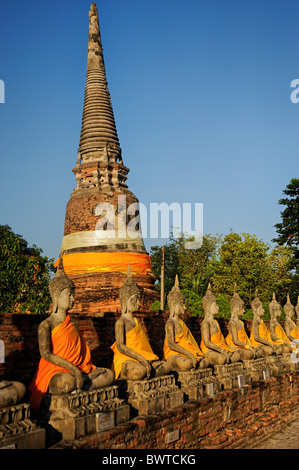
column 259, row 369
column 232, row 375
column 70, row 416
column 18, row 431
column 150, row 396
column 280, row 364
column 198, row 383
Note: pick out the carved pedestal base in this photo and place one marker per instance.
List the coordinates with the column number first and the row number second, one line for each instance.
column 151, row 396
column 70, row 416
column 232, row 375
column 258, row 369
column 18, row 431
column 280, row 364
column 199, row 383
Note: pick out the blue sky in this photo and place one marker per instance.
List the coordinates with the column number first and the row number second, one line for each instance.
column 201, row 96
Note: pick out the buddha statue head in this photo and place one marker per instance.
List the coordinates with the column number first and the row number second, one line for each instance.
column 289, row 308
column 236, row 303
column 61, row 289
column 176, row 300
column 209, row 302
column 274, row 307
column 129, row 294
column 257, row 306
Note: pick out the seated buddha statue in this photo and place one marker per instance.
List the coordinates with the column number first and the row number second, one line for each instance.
column 133, row 357
column 181, row 350
column 291, row 328
column 65, row 363
column 237, row 335
column 213, row 344
column 277, row 332
column 297, row 312
column 260, row 336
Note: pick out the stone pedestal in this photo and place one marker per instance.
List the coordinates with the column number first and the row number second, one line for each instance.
column 279, row 364
column 70, row 416
column 199, row 383
column 149, row 397
column 18, row 431
column 232, row 375
column 259, row 369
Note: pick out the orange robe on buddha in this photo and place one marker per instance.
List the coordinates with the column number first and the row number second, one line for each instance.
column 265, row 334
column 218, row 339
column 242, row 336
column 186, row 340
column 138, row 342
column 66, row 342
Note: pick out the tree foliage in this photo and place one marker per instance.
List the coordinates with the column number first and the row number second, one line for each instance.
column 24, row 275
column 288, row 228
column 243, row 259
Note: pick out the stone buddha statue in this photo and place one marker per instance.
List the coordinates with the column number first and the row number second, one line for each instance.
column 260, row 336
column 65, row 363
column 237, row 335
column 213, row 344
column 133, row 358
column 291, row 328
column 181, row 350
column 278, row 335
column 297, row 312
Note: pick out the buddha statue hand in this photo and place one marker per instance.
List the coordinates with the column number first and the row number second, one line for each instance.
column 78, row 377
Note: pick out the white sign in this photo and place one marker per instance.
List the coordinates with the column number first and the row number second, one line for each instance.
column 241, row 381
column 172, row 436
column 105, row 420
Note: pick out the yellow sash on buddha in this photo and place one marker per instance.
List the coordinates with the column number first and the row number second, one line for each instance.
column 186, row 340
column 218, row 339
column 242, row 336
column 138, row 342
column 280, row 333
column 295, row 332
column 265, row 334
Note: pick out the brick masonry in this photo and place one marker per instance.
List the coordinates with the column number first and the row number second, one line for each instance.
column 231, row 419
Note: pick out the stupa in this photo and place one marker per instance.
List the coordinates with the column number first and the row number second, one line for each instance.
column 98, row 245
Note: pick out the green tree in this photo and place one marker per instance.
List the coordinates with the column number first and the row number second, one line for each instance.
column 171, row 263
column 245, row 260
column 195, row 264
column 24, row 275
column 288, row 229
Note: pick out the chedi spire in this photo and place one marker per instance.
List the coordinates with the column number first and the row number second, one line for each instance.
column 98, row 132
column 98, row 245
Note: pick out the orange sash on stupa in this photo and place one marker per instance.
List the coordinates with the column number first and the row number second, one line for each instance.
column 67, row 343
column 218, row 339
column 265, row 334
column 138, row 342
column 242, row 336
column 186, row 341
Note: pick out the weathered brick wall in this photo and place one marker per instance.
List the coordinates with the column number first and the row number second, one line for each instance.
column 230, row 420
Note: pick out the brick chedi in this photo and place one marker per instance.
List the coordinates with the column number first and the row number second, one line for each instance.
column 102, row 236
